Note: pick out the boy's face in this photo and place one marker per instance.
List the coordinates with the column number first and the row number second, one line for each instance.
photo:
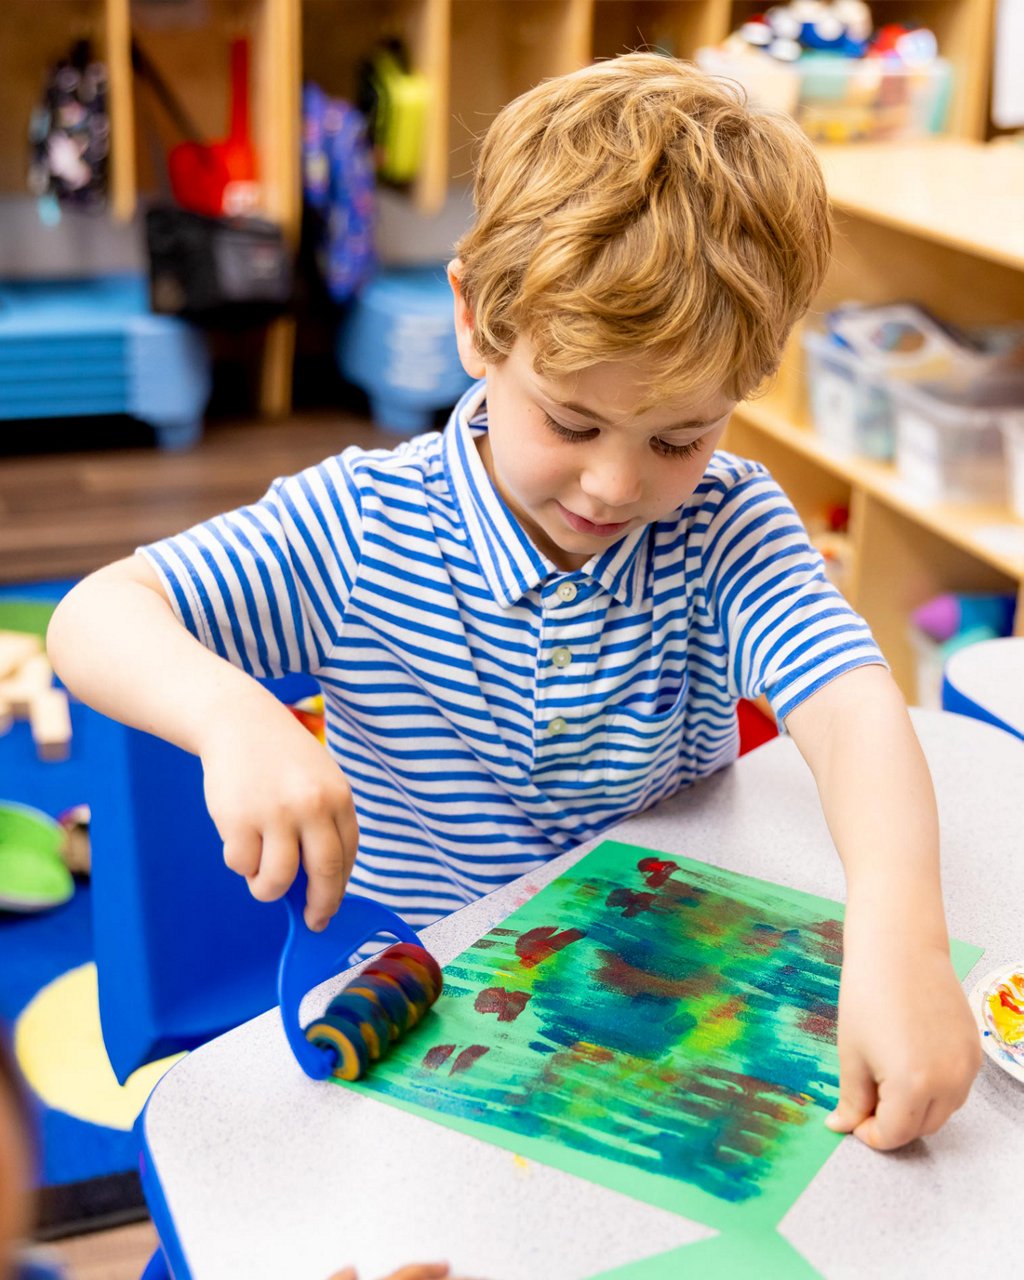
column 573, row 460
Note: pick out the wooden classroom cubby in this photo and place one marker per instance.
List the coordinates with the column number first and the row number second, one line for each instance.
column 475, row 54
column 937, row 221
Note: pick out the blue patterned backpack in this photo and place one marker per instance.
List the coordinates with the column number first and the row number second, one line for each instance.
column 338, row 186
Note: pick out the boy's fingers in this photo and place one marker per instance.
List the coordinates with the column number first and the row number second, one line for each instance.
column 327, row 868
column 934, row 1118
column 348, row 831
column 858, row 1095
column 897, row 1120
column 347, row 1274
column 242, row 852
column 279, row 861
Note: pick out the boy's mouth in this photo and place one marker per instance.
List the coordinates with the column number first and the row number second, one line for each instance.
column 582, row 525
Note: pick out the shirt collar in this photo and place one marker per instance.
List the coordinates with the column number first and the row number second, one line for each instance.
column 512, row 566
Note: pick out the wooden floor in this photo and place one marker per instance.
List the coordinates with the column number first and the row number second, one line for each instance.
column 107, row 1255
column 63, row 514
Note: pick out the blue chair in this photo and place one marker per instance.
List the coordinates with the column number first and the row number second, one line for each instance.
column 183, row 952
column 986, row 682
column 397, row 343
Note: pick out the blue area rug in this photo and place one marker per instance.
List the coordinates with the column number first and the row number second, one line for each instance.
column 87, row 1172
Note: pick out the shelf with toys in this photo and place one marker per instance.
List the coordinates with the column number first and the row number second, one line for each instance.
column 460, row 60
column 941, row 510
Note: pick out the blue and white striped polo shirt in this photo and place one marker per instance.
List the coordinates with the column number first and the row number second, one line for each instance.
column 489, row 709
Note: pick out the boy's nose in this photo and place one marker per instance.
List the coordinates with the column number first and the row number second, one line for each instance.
column 611, row 485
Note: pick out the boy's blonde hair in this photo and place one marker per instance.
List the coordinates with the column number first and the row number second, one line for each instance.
column 641, row 208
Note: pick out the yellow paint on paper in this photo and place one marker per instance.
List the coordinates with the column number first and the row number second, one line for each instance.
column 59, row 1046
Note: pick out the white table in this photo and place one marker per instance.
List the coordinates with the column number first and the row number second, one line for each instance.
column 986, row 680
column 267, row 1173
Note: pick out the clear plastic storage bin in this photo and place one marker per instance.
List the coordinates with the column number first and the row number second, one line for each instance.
column 1013, row 441
column 850, row 405
column 839, row 99
column 929, row 661
column 950, row 449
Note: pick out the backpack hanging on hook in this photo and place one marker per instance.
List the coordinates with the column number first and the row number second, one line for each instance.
column 69, row 135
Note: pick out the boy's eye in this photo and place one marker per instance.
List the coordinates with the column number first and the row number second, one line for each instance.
column 662, row 447
column 567, row 433
column 667, row 450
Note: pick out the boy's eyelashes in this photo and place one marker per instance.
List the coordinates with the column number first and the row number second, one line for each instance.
column 667, row 450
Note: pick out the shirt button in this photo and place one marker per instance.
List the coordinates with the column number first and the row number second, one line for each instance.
column 558, row 725
column 566, row 592
column 561, row 657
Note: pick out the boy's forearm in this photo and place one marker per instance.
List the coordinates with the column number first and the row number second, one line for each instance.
column 117, row 645
column 877, row 797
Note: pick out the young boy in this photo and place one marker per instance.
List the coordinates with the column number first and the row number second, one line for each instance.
column 538, row 623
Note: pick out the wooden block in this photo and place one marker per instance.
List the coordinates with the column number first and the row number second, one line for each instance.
column 6, row 717
column 16, row 647
column 31, row 679
column 50, row 718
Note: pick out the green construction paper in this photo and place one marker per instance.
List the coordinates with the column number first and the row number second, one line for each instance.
column 655, row 1025
column 761, row 1255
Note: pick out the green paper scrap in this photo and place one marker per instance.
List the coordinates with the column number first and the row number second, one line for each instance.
column 32, row 616
column 764, row 1255
column 655, row 1025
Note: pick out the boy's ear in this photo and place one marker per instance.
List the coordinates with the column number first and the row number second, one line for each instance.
column 470, row 358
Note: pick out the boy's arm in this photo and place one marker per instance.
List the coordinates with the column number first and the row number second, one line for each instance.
column 271, row 789
column 908, row 1047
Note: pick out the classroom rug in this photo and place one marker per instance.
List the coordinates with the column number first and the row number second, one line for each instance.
column 87, row 1169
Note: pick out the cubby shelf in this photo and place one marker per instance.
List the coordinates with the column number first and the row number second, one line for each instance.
column 922, row 222
column 938, row 221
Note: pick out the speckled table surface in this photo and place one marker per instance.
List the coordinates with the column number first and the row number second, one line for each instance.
column 269, row 1174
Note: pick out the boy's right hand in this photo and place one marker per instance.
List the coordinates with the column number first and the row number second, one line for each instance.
column 275, row 795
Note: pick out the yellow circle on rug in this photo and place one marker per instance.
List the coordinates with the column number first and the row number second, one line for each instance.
column 59, row 1046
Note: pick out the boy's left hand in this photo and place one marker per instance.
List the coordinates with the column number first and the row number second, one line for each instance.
column 908, row 1045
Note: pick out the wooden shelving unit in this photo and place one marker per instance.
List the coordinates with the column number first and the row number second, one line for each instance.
column 929, row 222
column 938, row 221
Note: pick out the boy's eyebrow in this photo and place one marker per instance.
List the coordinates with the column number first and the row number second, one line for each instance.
column 695, row 424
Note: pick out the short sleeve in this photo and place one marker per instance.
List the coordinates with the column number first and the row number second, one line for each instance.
column 787, row 630
column 266, row 586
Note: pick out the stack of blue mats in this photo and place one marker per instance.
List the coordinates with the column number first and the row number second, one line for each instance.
column 70, row 348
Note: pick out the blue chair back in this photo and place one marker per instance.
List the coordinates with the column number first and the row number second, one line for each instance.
column 183, row 951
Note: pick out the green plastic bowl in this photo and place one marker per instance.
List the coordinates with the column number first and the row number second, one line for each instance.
column 32, row 875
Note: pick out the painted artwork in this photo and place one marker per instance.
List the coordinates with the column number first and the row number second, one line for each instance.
column 649, row 1022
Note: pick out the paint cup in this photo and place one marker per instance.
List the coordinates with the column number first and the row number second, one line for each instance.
column 997, row 1002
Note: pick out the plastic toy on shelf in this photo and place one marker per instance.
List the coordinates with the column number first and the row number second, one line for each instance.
column 948, row 623
column 819, row 61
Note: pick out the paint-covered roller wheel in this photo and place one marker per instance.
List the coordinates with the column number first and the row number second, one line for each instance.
column 416, row 991
column 419, row 956
column 420, row 961
column 389, row 996
column 343, row 1038
column 373, row 1025
column 393, row 993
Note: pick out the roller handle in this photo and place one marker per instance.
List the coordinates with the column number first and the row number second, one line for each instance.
column 310, row 958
